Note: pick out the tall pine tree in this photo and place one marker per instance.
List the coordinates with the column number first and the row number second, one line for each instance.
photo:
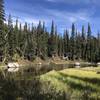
column 2, row 35
column 52, row 41
column 89, row 49
column 72, row 39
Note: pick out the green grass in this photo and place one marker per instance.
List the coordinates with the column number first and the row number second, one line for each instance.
column 1, row 65
column 78, row 81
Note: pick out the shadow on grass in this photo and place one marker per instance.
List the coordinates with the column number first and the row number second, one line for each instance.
column 78, row 86
column 94, row 81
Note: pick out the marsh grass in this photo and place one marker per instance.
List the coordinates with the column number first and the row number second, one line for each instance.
column 84, row 84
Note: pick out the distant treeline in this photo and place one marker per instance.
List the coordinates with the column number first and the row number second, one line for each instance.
column 28, row 42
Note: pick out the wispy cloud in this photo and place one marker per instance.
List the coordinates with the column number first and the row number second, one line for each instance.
column 61, row 18
column 74, row 1
column 63, row 12
column 70, row 16
column 71, row 1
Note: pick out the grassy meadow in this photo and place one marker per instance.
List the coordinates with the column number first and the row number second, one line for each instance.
column 83, row 82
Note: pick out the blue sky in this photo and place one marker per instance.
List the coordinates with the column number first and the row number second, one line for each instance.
column 63, row 12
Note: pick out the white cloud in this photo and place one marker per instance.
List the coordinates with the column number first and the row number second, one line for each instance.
column 69, row 16
column 74, row 2
column 51, row 0
column 62, row 18
column 31, row 20
column 72, row 19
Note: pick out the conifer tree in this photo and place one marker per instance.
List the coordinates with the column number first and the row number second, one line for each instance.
column 52, row 41
column 10, row 37
column 60, row 46
column 66, row 42
column 43, row 40
column 2, row 34
column 89, row 51
column 72, row 39
column 83, row 43
column 38, row 38
column 56, row 41
column 2, row 13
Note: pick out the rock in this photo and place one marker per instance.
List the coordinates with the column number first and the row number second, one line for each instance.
column 98, row 64
column 10, row 65
column 13, row 67
column 77, row 65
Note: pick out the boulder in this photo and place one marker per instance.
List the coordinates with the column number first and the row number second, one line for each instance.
column 77, row 65
column 13, row 67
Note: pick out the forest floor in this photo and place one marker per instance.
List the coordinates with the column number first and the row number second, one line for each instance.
column 83, row 81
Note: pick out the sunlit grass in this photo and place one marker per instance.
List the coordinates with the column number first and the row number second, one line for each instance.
column 77, row 80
